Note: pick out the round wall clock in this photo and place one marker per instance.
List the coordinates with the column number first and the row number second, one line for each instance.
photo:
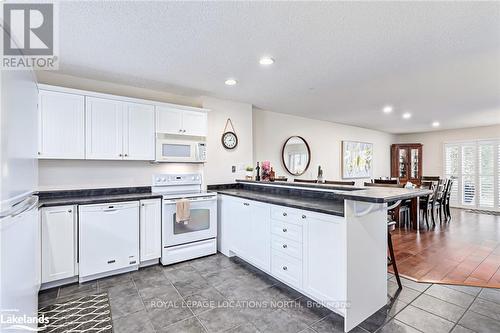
column 229, row 139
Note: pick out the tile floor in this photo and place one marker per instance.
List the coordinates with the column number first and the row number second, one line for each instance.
column 194, row 297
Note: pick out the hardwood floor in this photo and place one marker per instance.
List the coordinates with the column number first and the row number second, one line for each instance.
column 465, row 251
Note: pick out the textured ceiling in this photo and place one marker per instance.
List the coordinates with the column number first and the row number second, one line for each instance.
column 335, row 61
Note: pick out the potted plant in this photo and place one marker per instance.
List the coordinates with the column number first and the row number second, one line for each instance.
column 249, row 173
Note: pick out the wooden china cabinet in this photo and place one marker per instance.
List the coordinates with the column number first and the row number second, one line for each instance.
column 406, row 162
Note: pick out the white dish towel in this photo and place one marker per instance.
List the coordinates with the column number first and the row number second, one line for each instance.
column 183, row 211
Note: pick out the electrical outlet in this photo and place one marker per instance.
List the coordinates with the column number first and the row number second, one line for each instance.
column 233, row 169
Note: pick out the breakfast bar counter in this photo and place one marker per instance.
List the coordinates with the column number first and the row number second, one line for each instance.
column 327, row 242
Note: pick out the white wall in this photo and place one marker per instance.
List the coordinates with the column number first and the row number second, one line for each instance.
column 68, row 174
column 77, row 174
column 218, row 168
column 433, row 144
column 271, row 130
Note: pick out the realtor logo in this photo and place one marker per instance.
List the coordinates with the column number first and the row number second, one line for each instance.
column 29, row 36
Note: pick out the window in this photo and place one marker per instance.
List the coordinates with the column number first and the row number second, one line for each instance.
column 475, row 165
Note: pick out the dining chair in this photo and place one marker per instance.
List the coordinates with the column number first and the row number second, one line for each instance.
column 441, row 199
column 391, row 227
column 447, row 199
column 385, row 181
column 305, row 180
column 404, row 209
column 339, row 182
column 426, row 203
column 431, row 178
column 384, row 185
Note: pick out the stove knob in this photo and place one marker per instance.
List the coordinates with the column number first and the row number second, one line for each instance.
column 163, row 179
column 158, row 179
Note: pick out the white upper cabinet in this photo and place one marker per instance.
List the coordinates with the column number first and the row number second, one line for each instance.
column 104, row 130
column 119, row 130
column 194, row 123
column 62, row 125
column 139, row 133
column 77, row 124
column 170, row 120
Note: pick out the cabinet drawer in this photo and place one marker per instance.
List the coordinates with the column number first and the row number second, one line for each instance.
column 285, row 214
column 286, row 246
column 287, row 269
column 287, row 230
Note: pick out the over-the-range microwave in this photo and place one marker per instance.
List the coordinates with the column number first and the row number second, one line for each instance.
column 180, row 148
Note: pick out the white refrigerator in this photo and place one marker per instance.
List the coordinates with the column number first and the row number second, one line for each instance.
column 19, row 226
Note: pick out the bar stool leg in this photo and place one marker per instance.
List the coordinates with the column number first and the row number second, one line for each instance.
column 393, row 259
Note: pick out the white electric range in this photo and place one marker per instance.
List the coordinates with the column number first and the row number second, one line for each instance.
column 196, row 237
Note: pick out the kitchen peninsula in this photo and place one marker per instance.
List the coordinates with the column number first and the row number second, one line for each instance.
column 328, row 242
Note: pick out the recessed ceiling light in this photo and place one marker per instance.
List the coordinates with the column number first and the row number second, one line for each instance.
column 231, row 82
column 388, row 109
column 435, row 124
column 406, row 115
column 266, row 61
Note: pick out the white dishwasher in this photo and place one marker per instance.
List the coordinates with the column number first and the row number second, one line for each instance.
column 108, row 239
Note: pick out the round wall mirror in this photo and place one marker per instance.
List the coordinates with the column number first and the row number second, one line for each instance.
column 296, row 155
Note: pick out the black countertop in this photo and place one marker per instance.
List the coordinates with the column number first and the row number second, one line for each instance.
column 94, row 196
column 328, row 199
column 367, row 194
column 320, row 205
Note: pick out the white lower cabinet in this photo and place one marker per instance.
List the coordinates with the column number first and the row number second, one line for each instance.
column 150, row 229
column 287, row 269
column 324, row 257
column 108, row 239
column 59, row 245
column 303, row 249
column 248, row 231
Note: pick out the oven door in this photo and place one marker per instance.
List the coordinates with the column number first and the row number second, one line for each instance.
column 176, row 151
column 202, row 225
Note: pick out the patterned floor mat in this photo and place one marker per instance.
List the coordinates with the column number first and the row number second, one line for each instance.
column 85, row 314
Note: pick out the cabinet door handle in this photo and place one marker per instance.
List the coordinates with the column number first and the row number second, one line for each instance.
column 142, row 205
column 285, row 268
column 285, row 230
column 303, row 216
column 39, row 153
column 126, row 155
column 120, row 155
column 285, row 214
column 285, row 246
column 69, row 211
column 246, row 204
column 111, row 261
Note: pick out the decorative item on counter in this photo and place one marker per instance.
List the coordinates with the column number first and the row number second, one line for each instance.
column 229, row 139
column 272, row 175
column 257, row 172
column 320, row 175
column 249, row 173
column 410, row 185
column 266, row 170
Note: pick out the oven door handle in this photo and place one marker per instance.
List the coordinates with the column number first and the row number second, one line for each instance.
column 191, row 201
